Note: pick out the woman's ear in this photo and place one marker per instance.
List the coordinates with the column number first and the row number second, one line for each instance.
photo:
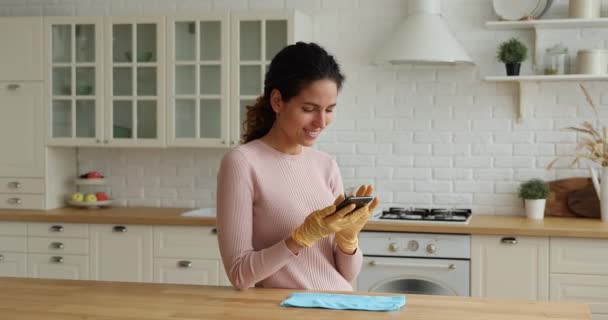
column 276, row 100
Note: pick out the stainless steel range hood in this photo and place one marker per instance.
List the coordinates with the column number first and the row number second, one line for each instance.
column 423, row 38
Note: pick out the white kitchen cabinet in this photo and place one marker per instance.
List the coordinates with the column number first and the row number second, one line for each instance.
column 20, row 57
column 510, row 267
column 579, row 272
column 13, row 264
column 255, row 39
column 13, row 247
column 198, row 85
column 75, row 267
column 188, row 271
column 121, row 253
column 21, row 135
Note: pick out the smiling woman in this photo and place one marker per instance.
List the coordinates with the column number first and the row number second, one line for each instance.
column 277, row 221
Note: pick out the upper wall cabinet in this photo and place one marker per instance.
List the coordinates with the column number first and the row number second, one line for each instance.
column 256, row 38
column 21, row 60
column 198, row 86
column 74, row 81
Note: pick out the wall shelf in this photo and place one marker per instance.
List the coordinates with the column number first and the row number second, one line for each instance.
column 547, row 24
column 565, row 77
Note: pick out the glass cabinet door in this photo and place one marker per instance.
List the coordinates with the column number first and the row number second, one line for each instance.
column 198, row 78
column 75, row 80
column 135, row 97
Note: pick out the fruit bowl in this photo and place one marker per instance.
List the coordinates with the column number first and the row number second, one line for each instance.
column 90, row 182
column 90, row 204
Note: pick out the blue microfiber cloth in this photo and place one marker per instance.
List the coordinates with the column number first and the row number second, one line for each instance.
column 344, row 301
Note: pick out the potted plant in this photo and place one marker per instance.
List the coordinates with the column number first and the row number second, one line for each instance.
column 512, row 53
column 534, row 192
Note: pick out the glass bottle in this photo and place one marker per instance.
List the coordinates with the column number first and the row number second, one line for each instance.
column 556, row 60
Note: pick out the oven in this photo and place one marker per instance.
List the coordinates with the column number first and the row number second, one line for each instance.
column 416, row 263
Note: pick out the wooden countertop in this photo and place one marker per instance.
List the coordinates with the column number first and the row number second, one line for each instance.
column 33, row 299
column 479, row 224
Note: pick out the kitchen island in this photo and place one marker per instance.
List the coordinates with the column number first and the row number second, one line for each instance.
column 22, row 299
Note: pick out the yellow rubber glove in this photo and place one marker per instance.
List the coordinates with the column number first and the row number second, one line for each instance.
column 347, row 237
column 321, row 223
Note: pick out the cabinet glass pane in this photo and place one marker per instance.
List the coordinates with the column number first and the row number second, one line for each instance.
column 184, row 79
column 85, row 81
column 185, row 118
column 211, row 40
column 146, row 42
column 122, row 82
column 250, row 80
column 211, row 118
column 243, row 111
column 122, row 35
column 185, row 41
column 62, row 81
column 85, row 118
column 276, row 37
column 146, row 81
column 122, row 113
column 211, row 80
column 85, row 43
column 146, row 119
column 62, row 43
column 251, row 39
column 62, row 119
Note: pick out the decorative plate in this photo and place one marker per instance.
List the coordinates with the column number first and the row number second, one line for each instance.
column 514, row 10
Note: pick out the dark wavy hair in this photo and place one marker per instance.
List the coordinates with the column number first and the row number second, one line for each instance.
column 292, row 69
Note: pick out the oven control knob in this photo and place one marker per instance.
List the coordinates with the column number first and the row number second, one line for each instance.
column 393, row 247
column 413, row 245
column 431, row 248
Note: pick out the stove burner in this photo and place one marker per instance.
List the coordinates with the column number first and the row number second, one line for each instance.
column 432, row 214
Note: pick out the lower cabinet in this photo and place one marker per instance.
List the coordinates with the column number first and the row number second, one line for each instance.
column 73, row 267
column 13, row 249
column 510, row 267
column 13, row 264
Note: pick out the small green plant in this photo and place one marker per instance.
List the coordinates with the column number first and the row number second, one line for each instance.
column 534, row 189
column 512, row 51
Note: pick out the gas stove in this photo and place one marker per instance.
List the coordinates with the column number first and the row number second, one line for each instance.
column 425, row 215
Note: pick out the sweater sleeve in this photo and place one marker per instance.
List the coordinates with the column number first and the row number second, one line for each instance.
column 349, row 265
column 235, row 193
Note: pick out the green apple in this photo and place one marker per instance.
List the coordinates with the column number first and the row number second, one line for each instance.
column 77, row 197
column 90, row 198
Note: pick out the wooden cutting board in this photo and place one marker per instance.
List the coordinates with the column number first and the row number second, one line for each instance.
column 584, row 203
column 560, row 191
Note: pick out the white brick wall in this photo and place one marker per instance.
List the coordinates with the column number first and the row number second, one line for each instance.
column 423, row 135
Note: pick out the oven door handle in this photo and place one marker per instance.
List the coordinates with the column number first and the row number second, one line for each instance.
column 375, row 263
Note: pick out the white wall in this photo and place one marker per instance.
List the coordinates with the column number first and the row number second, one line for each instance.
column 423, row 135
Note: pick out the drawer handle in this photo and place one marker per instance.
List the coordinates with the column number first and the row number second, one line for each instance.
column 509, row 240
column 14, row 200
column 56, row 228
column 119, row 229
column 13, row 86
column 185, row 264
column 57, row 245
column 15, row 185
column 57, row 259
column 214, row 231
column 1, row 258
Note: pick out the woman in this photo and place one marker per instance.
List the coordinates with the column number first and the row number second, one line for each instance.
column 276, row 225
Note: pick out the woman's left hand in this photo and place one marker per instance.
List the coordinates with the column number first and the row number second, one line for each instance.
column 347, row 238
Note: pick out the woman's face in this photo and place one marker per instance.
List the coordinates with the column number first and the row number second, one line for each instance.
column 301, row 119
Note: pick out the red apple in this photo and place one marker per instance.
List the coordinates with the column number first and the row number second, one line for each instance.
column 101, row 196
column 94, row 175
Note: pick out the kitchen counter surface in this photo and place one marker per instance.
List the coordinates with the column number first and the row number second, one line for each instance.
column 479, row 224
column 30, row 299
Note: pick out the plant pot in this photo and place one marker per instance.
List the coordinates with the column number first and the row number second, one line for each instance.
column 512, row 68
column 535, row 208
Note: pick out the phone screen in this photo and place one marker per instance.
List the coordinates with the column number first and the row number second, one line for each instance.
column 358, row 201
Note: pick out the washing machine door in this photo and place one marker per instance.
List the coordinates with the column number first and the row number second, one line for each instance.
column 415, row 276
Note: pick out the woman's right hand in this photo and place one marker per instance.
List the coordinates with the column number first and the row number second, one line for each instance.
column 321, row 223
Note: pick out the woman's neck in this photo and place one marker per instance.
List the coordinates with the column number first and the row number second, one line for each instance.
column 277, row 140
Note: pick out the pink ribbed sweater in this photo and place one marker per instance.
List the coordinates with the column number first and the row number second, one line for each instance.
column 262, row 195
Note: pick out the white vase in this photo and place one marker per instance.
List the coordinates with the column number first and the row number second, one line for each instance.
column 535, row 208
column 601, row 188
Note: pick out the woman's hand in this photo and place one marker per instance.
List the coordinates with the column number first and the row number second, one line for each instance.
column 347, row 237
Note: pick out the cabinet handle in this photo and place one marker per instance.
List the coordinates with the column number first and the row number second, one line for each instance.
column 214, row 231
column 57, row 259
column 14, row 200
column 57, row 245
column 509, row 240
column 15, row 185
column 185, row 264
column 223, row 142
column 97, row 141
column 1, row 258
column 105, row 141
column 57, row 229
column 119, row 229
column 13, row 86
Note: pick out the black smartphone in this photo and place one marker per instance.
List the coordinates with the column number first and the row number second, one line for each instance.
column 359, row 201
